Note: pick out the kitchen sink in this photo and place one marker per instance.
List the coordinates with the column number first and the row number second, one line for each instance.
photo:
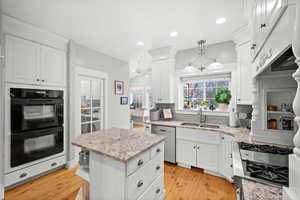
column 200, row 125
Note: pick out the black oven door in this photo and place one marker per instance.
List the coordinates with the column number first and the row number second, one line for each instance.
column 32, row 114
column 33, row 145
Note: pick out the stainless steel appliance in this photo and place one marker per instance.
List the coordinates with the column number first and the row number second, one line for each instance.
column 170, row 142
column 260, row 163
column 36, row 124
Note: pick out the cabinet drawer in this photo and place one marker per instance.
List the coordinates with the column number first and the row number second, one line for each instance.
column 204, row 136
column 162, row 129
column 29, row 172
column 138, row 162
column 138, row 182
column 155, row 191
column 156, row 150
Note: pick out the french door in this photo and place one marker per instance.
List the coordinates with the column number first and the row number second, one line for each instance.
column 91, row 104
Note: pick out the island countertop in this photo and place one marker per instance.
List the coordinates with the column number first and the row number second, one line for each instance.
column 119, row 144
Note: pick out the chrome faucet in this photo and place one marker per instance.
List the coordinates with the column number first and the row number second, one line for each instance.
column 200, row 113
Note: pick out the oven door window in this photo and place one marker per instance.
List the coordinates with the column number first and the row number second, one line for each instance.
column 32, row 145
column 38, row 112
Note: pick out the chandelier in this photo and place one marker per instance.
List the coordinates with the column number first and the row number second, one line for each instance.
column 202, row 62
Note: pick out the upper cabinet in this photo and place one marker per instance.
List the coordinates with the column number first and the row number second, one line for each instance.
column 265, row 15
column 53, row 66
column 28, row 62
column 244, row 74
column 163, row 70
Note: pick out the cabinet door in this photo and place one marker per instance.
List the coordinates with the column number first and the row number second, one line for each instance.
column 22, row 61
column 244, row 92
column 208, row 156
column 156, row 86
column 225, row 166
column 165, row 82
column 53, row 66
column 272, row 10
column 257, row 21
column 186, row 152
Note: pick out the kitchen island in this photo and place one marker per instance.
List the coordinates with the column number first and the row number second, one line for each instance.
column 124, row 164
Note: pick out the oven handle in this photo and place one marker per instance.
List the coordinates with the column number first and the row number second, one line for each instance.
column 33, row 134
column 20, row 101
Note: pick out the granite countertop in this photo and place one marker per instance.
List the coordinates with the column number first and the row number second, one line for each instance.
column 252, row 190
column 119, row 144
column 258, row 191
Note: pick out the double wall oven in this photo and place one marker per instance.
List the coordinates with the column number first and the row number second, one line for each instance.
column 36, row 124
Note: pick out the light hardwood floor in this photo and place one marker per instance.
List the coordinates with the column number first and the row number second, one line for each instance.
column 180, row 184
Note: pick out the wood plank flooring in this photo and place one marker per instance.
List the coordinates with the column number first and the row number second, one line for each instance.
column 180, row 184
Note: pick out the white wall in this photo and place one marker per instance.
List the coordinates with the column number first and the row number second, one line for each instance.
column 79, row 55
column 224, row 52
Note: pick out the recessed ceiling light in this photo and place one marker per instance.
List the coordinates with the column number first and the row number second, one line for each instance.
column 140, row 43
column 221, row 20
column 173, row 34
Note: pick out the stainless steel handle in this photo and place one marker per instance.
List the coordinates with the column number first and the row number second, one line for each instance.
column 140, row 183
column 23, row 175
column 157, row 167
column 157, row 191
column 53, row 164
column 140, row 162
column 158, row 150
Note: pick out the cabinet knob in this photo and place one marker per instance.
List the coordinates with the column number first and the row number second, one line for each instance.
column 140, row 162
column 140, row 183
column 263, row 25
column 157, row 167
column 23, row 175
column 157, row 150
column 239, row 99
column 195, row 147
column 253, row 46
column 157, row 191
column 43, row 80
column 198, row 147
column 37, row 79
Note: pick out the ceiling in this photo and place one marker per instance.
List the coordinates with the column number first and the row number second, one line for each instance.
column 114, row 26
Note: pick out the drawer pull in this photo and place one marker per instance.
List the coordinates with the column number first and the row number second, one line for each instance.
column 53, row 164
column 157, row 150
column 157, row 167
column 162, row 130
column 157, row 191
column 23, row 175
column 141, row 162
column 140, row 183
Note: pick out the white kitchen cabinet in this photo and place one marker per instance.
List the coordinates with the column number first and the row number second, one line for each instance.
column 162, row 79
column 207, row 156
column 225, row 164
column 53, row 66
column 22, row 63
column 32, row 63
column 186, row 152
column 266, row 13
column 244, row 74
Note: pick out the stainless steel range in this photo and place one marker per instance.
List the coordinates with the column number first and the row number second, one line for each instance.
column 260, row 163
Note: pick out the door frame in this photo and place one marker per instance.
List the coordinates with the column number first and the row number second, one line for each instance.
column 74, row 112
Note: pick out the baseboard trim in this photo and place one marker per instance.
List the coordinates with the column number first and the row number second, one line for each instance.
column 184, row 165
column 71, row 164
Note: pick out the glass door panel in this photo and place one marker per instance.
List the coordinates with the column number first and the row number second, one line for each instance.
column 92, row 91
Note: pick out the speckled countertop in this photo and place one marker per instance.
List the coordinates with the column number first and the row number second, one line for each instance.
column 119, row 144
column 252, row 190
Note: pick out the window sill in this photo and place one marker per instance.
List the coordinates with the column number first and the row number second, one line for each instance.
column 205, row 112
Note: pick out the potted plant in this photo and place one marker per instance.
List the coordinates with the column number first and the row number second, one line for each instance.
column 223, row 97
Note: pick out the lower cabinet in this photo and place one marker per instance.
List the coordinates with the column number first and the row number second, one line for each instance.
column 208, row 150
column 186, row 152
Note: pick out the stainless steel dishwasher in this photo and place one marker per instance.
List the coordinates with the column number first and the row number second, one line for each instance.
column 170, row 142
